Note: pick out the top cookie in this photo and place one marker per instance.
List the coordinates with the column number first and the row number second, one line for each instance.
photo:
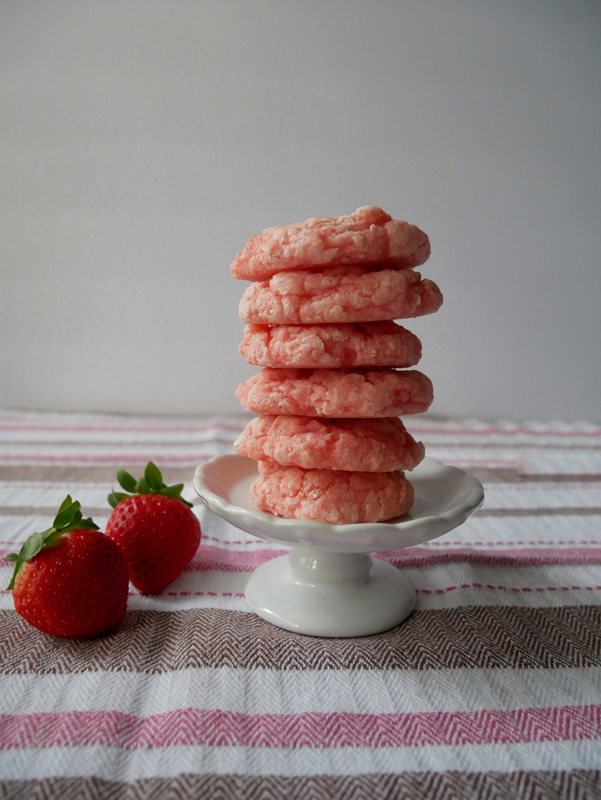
column 369, row 237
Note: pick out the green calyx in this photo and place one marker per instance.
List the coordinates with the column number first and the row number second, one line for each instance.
column 150, row 483
column 69, row 518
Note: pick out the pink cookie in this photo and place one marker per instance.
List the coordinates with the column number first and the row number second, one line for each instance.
column 364, row 344
column 336, row 393
column 339, row 294
column 331, row 496
column 356, row 445
column 368, row 237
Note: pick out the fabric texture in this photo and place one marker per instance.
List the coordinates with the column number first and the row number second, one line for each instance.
column 491, row 688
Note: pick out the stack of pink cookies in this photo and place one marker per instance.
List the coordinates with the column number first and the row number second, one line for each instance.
column 319, row 313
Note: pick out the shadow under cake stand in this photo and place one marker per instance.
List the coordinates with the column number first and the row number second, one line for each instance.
column 329, row 585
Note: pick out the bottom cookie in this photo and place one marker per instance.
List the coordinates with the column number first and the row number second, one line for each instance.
column 332, row 496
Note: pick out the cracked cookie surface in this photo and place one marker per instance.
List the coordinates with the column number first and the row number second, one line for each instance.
column 356, row 445
column 362, row 344
column 331, row 496
column 339, row 294
column 369, row 237
column 336, row 393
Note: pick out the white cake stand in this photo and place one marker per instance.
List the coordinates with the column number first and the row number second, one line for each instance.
column 328, row 585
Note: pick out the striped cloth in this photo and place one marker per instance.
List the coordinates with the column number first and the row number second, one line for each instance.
column 491, row 688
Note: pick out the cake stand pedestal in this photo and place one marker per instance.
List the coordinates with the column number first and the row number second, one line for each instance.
column 330, row 594
column 329, row 585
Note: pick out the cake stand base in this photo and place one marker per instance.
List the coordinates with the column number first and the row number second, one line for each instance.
column 328, row 585
column 330, row 594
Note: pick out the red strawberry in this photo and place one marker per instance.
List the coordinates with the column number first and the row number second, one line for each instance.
column 154, row 528
column 70, row 580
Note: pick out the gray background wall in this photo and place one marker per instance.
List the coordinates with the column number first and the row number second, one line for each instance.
column 143, row 142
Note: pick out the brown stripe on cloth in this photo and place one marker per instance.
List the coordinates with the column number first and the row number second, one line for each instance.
column 575, row 511
column 140, row 445
column 440, row 444
column 50, row 511
column 90, row 474
column 572, row 785
column 493, row 474
column 157, row 642
column 559, row 477
column 99, row 511
column 513, row 475
column 33, row 444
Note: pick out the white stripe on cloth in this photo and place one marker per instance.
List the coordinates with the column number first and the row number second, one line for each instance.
column 267, row 691
column 426, row 423
column 213, row 589
column 15, row 529
column 78, row 454
column 111, row 763
column 148, row 437
column 535, row 460
column 447, row 585
column 545, row 495
column 531, row 530
column 35, row 494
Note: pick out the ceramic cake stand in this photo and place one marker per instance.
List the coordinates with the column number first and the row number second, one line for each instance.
column 328, row 585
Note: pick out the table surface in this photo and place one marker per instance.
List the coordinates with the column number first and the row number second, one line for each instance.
column 491, row 688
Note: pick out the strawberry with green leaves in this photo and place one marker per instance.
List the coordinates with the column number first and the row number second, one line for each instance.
column 70, row 580
column 154, row 527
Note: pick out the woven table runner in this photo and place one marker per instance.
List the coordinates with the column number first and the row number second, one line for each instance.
column 491, row 688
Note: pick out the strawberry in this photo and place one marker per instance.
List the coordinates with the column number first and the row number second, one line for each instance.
column 70, row 580
column 154, row 528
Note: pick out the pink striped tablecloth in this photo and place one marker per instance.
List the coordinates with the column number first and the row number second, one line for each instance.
column 492, row 688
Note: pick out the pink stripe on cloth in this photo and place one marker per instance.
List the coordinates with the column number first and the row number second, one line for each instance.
column 122, row 429
column 115, row 458
column 430, row 431
column 311, row 730
column 421, row 426
column 519, row 557
column 214, row 558
column 209, row 558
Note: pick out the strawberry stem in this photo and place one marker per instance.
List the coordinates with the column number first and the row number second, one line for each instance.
column 150, row 483
column 68, row 518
